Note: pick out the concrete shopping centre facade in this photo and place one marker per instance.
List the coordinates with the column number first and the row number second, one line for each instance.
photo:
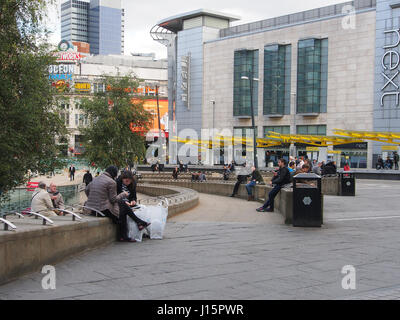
column 329, row 68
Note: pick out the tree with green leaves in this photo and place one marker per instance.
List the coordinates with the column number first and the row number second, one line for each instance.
column 112, row 114
column 30, row 121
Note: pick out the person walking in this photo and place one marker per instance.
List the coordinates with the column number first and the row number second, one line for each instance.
column 72, row 173
column 255, row 178
column 87, row 178
column 396, row 160
column 281, row 177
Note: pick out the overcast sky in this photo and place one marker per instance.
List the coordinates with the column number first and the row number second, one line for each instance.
column 142, row 15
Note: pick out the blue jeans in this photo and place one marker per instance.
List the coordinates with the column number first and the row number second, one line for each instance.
column 271, row 197
column 250, row 186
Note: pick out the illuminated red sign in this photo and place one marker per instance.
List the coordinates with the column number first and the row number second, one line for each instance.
column 68, row 56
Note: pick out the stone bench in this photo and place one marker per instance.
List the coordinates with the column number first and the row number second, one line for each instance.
column 188, row 176
column 283, row 201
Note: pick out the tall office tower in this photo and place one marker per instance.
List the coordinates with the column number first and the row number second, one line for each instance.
column 74, row 20
column 97, row 22
column 123, row 32
column 105, row 26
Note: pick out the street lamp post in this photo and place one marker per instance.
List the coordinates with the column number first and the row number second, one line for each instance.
column 253, row 125
column 293, row 150
column 158, row 112
column 212, row 130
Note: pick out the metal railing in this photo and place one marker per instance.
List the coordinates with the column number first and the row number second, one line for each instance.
column 20, row 199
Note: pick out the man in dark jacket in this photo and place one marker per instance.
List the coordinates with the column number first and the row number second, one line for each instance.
column 71, row 171
column 87, row 178
column 281, row 177
column 330, row 168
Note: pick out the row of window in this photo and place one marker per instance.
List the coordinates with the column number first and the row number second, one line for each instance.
column 312, row 79
column 315, row 130
column 277, row 58
column 80, row 6
column 80, row 119
column 245, row 66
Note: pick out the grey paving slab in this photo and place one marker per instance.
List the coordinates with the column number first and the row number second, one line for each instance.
column 236, row 257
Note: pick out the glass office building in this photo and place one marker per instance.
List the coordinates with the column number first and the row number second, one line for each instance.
column 74, row 21
column 97, row 22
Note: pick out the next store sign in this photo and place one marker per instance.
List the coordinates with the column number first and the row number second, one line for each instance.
column 390, row 63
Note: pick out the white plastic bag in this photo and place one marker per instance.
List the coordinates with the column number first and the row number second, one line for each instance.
column 155, row 215
column 133, row 230
column 158, row 217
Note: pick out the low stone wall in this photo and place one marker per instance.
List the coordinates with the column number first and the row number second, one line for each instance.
column 188, row 176
column 29, row 251
column 32, row 246
column 283, row 201
column 330, row 186
column 179, row 199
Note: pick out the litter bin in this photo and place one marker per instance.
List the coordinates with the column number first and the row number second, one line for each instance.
column 347, row 184
column 307, row 200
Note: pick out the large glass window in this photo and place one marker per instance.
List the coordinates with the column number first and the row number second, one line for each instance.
column 245, row 65
column 317, row 130
column 277, row 79
column 245, row 133
column 312, row 75
column 277, row 129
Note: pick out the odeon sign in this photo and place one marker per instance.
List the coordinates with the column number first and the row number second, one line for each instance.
column 390, row 63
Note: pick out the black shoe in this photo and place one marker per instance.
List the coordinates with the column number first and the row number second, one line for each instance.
column 269, row 210
column 126, row 240
column 232, row 195
column 143, row 226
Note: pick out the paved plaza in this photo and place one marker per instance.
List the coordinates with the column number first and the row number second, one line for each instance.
column 223, row 249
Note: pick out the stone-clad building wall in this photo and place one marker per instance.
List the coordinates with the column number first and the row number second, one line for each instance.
column 351, row 61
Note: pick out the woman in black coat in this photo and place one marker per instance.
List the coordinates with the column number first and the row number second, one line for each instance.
column 126, row 182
